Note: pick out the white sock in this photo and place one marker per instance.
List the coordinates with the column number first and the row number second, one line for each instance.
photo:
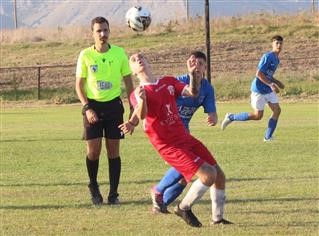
column 195, row 192
column 218, row 202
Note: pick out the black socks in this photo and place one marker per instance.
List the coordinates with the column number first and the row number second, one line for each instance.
column 92, row 167
column 114, row 176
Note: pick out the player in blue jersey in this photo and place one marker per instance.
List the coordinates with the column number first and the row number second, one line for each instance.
column 173, row 183
column 263, row 90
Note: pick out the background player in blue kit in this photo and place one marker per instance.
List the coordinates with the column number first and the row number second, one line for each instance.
column 173, row 183
column 263, row 90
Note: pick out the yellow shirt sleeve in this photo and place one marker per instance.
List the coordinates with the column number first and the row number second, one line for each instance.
column 81, row 68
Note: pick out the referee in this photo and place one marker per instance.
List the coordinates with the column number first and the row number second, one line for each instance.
column 99, row 73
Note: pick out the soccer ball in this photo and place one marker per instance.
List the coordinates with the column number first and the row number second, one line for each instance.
column 138, row 18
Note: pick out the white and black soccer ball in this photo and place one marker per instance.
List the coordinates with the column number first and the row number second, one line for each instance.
column 138, row 18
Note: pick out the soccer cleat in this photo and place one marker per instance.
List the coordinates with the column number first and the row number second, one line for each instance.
column 187, row 216
column 222, row 222
column 158, row 203
column 96, row 196
column 269, row 140
column 115, row 201
column 226, row 121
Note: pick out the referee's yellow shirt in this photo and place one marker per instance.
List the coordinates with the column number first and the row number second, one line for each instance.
column 102, row 72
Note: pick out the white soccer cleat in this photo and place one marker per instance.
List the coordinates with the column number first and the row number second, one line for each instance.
column 226, row 121
column 269, row 140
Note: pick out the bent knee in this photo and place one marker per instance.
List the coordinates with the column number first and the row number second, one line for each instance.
column 208, row 180
column 209, row 176
column 257, row 116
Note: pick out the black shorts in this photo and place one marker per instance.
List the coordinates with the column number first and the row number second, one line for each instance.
column 110, row 116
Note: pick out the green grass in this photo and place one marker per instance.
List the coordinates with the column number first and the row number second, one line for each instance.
column 272, row 187
column 52, row 95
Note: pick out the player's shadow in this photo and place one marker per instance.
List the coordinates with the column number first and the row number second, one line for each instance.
column 39, row 140
column 84, row 184
column 144, row 181
column 147, row 201
column 87, row 205
column 234, row 179
column 260, row 200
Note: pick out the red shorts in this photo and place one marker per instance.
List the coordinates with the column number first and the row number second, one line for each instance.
column 187, row 156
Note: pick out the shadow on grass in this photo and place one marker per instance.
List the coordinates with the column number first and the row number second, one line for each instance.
column 280, row 199
column 73, row 206
column 148, row 202
column 278, row 224
column 145, row 181
column 40, row 140
column 274, row 212
column 261, row 200
column 269, row 178
column 101, row 183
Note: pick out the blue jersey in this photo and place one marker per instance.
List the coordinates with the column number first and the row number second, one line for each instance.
column 267, row 65
column 187, row 106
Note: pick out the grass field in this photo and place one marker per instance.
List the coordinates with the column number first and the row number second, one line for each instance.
column 272, row 187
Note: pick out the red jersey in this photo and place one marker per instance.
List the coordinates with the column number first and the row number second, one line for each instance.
column 166, row 130
column 163, row 124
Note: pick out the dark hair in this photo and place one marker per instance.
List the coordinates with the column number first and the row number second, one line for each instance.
column 277, row 38
column 99, row 20
column 198, row 54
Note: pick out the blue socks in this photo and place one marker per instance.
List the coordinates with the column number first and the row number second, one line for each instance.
column 171, row 177
column 243, row 116
column 172, row 193
column 169, row 186
column 272, row 124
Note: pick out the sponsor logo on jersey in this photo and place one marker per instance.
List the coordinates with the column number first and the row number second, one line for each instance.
column 171, row 90
column 169, row 110
column 104, row 85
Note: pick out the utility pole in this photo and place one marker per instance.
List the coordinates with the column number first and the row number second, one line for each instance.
column 207, row 39
column 15, row 14
column 187, row 9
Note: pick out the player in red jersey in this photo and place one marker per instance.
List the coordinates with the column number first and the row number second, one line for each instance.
column 155, row 103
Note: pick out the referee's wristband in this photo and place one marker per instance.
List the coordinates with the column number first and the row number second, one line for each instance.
column 85, row 108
